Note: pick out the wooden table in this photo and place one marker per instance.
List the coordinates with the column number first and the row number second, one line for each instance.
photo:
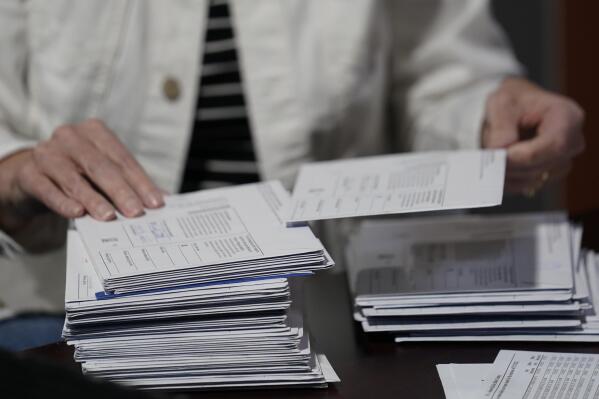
column 374, row 366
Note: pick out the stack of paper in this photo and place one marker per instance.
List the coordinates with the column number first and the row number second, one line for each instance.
column 522, row 374
column 519, row 277
column 195, row 295
column 211, row 235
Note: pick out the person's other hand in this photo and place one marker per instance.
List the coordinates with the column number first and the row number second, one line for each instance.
column 82, row 168
column 542, row 132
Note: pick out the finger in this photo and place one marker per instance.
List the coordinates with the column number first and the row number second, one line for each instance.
column 558, row 136
column 96, row 205
column 34, row 183
column 65, row 174
column 564, row 121
column 501, row 121
column 101, row 171
column 532, row 154
column 135, row 175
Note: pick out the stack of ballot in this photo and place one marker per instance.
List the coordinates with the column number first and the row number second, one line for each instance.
column 523, row 374
column 195, row 295
column 453, row 278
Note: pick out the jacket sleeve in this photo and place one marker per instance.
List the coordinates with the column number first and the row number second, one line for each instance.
column 13, row 90
column 448, row 56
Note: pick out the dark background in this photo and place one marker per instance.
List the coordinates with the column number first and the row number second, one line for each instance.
column 555, row 40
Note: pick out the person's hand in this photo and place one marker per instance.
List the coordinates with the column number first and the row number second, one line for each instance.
column 542, row 132
column 82, row 168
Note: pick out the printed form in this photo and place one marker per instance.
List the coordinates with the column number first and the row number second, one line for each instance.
column 398, row 183
column 446, row 255
column 525, row 375
column 203, row 228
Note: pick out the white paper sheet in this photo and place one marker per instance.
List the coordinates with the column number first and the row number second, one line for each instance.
column 508, row 337
column 398, row 183
column 566, row 308
column 524, row 375
column 462, row 380
column 521, row 374
column 396, row 325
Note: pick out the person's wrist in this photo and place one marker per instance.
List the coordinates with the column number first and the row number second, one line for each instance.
column 10, row 167
column 15, row 207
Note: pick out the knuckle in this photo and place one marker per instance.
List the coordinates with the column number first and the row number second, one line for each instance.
column 72, row 180
column 98, row 167
column 96, row 126
column 95, row 123
column 129, row 164
column 72, row 186
column 39, row 152
column 42, row 152
column 559, row 144
column 64, row 133
column 501, row 99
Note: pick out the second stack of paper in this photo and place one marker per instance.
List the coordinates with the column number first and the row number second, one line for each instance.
column 517, row 277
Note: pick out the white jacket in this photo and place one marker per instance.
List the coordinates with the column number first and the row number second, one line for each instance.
column 323, row 78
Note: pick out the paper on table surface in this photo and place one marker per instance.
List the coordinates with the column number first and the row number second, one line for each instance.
column 410, row 325
column 468, row 298
column 461, row 381
column 398, row 183
column 204, row 228
column 523, row 374
column 588, row 331
column 509, row 336
column 439, row 255
column 536, row 309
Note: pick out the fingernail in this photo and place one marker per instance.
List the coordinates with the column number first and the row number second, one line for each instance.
column 105, row 212
column 77, row 210
column 155, row 200
column 133, row 208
